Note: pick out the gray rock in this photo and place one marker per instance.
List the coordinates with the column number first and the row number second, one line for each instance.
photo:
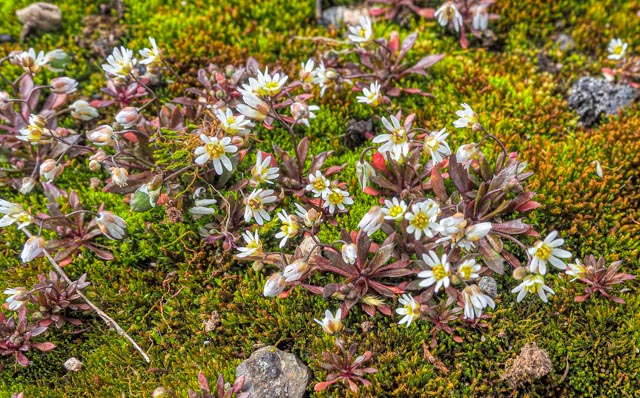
column 592, row 98
column 488, row 285
column 339, row 15
column 273, row 373
column 39, row 16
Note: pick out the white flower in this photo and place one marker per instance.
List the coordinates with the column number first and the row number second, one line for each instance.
column 465, row 153
column 14, row 213
column 467, row 117
column 253, row 107
column 119, row 176
column 410, row 309
column 396, row 142
column 468, row 269
column 337, row 199
column 101, row 135
column 330, row 323
column 233, row 124
column 63, row 85
column 372, row 221
column 364, row 171
column 216, row 150
column 448, row 13
column 49, row 170
column 394, row 209
column 17, row 297
column 532, row 284
column 362, row 32
column 577, row 269
column 255, row 205
column 473, row 234
column 269, row 85
column 436, row 145
column 32, row 248
column 319, row 185
column 547, row 251
column 308, row 72
column 480, row 18
column 120, row 63
column 372, row 95
column 83, row 111
column 152, row 55
column 349, row 253
column 275, row 285
column 302, row 112
column 324, row 77
column 128, row 117
column 310, row 217
column 56, row 60
column 439, row 272
column 28, row 183
column 202, row 208
column 422, row 218
column 31, row 62
column 261, row 172
column 295, row 270
column 5, row 100
column 475, row 301
column 253, row 244
column 289, row 227
column 452, row 228
column 35, row 130
column 617, row 49
column 112, row 226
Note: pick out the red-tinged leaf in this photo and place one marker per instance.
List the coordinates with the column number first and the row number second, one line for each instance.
column 323, row 384
column 285, row 294
column 407, row 44
column 352, row 386
column 43, row 346
column 303, row 149
column 369, row 309
column 581, row 299
column 334, row 170
column 382, row 289
column 317, row 162
column 511, row 259
column 393, row 92
column 464, row 43
column 376, row 12
column 492, row 259
column 188, row 101
column 427, row 13
column 385, row 309
column 22, row 359
column 511, row 227
column 394, row 273
column 383, row 182
column 312, row 289
column 67, row 252
column 203, row 382
column 437, row 184
column 427, row 62
column 530, row 205
column 378, row 161
column 65, row 262
column 457, row 339
column 394, row 42
column 267, row 125
column 103, row 254
column 370, row 191
column 618, row 300
column 458, row 174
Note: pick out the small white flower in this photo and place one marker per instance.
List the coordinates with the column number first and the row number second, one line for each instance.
column 216, row 150
column 233, row 124
column 362, row 32
column 330, row 323
column 410, row 309
column 261, row 172
column 308, row 71
column 598, row 169
column 14, row 213
column 337, row 199
column 152, row 55
column 302, row 112
column 349, row 253
column 439, row 272
column 436, row 145
column 63, row 85
column 547, row 251
column 372, row 95
column 576, row 269
column 467, row 117
column 253, row 107
column 35, row 130
column 31, row 62
column 364, row 171
column 473, row 234
column 33, row 248
column 49, row 170
column 270, row 85
column 422, row 218
column 275, row 285
column 396, row 142
column 119, row 176
column 120, row 63
column 532, row 284
column 83, row 111
column 319, row 185
column 28, row 183
column 475, row 301
column 289, row 227
column 468, row 269
column 394, row 209
column 17, row 297
column 253, row 244
column 128, row 117
column 324, row 77
column 448, row 13
column 255, row 205
column 372, row 221
column 452, row 228
column 617, row 49
column 310, row 217
column 111, row 225
column 465, row 154
column 294, row 271
column 101, row 135
column 480, row 18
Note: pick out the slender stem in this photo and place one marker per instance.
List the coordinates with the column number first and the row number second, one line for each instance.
column 493, row 137
column 180, row 171
column 108, row 320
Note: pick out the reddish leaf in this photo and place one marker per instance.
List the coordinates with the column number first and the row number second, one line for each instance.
column 407, row 44
column 437, row 184
column 379, row 162
column 530, row 205
column 394, row 42
column 22, row 359
column 427, row 13
column 370, row 191
column 43, row 346
column 323, row 384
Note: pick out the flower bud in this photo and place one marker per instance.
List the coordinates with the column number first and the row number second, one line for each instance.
column 27, row 186
column 57, row 60
column 49, row 170
column 363, row 171
column 128, row 117
column 112, row 226
column 295, row 270
column 331, row 324
column 4, row 100
column 94, row 165
column 63, row 85
column 83, row 111
column 372, row 221
column 475, row 232
column 101, row 136
column 350, row 253
column 147, row 195
column 119, row 175
column 275, row 285
column 519, row 273
column 299, row 110
column 465, row 153
column 33, row 248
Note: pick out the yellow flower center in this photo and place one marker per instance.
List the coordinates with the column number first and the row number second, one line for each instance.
column 336, row 198
column 439, row 272
column 617, row 50
column 215, row 150
column 544, row 252
column 319, row 184
column 432, row 143
column 363, row 33
column 420, row 221
column 255, row 203
column 533, row 288
column 412, row 309
column 395, row 211
column 231, row 120
column 466, row 271
column 399, row 136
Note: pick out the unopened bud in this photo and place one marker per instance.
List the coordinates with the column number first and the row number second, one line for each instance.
column 119, row 175
column 299, row 110
column 101, row 136
column 349, row 253
column 63, row 85
column 519, row 273
column 27, row 186
column 49, row 169
column 275, row 285
column 128, row 117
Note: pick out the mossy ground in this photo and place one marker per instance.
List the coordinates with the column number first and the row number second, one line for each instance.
column 165, row 282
